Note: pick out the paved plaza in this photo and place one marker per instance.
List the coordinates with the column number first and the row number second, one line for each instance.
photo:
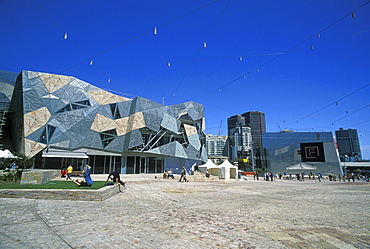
column 163, row 213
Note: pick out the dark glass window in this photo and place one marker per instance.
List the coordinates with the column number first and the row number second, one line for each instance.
column 47, row 134
column 115, row 111
column 108, row 136
column 75, row 106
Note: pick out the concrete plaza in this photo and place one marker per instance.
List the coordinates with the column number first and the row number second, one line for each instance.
column 164, row 213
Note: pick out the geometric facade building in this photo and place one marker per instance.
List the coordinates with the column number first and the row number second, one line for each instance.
column 7, row 80
column 60, row 120
column 316, row 149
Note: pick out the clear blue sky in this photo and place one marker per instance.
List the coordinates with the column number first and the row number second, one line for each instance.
column 268, row 42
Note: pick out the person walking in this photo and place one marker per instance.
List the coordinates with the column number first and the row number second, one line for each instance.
column 183, row 175
column 69, row 172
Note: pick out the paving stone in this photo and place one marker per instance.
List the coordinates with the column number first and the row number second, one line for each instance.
column 160, row 213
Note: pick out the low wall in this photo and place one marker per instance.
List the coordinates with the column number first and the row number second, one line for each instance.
column 62, row 194
column 38, row 176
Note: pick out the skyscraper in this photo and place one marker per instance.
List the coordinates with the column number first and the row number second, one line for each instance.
column 235, row 121
column 256, row 121
column 348, row 145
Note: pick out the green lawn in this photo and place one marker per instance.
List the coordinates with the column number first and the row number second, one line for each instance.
column 51, row 185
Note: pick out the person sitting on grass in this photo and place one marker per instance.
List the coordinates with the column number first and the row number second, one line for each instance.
column 81, row 183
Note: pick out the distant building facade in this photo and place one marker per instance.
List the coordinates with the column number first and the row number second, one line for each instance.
column 217, row 147
column 7, row 81
column 60, row 120
column 348, row 145
column 284, row 149
column 257, row 123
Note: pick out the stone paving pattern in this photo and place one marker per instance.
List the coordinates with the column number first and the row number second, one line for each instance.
column 164, row 213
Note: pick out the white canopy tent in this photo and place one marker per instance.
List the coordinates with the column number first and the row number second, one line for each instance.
column 301, row 166
column 209, row 164
column 212, row 168
column 228, row 171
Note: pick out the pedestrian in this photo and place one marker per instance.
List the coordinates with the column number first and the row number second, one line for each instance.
column 183, row 175
column 170, row 174
column 86, row 172
column 115, row 177
column 63, row 173
column 319, row 176
column 69, row 172
column 207, row 173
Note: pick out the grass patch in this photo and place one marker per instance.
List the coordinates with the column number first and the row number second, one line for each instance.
column 51, row 185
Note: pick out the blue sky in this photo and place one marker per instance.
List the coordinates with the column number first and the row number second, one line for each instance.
column 232, row 56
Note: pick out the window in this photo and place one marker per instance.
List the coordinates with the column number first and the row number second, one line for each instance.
column 75, row 106
column 47, row 134
column 108, row 136
column 115, row 111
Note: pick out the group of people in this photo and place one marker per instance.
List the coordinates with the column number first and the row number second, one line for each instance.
column 87, row 181
column 169, row 174
column 67, row 172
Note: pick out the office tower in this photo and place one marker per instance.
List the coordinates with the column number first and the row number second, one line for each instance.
column 256, row 121
column 240, row 142
column 348, row 145
column 216, row 145
column 235, row 121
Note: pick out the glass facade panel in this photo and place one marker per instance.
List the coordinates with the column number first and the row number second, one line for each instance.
column 283, row 150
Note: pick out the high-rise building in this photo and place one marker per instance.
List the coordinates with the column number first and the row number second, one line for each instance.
column 348, row 145
column 256, row 121
column 216, row 145
column 235, row 121
column 240, row 142
column 217, row 148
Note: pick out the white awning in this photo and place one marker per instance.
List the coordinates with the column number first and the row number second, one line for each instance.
column 64, row 153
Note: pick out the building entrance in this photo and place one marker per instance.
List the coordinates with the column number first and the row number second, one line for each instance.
column 144, row 165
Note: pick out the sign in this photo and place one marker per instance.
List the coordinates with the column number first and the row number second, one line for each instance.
column 312, row 152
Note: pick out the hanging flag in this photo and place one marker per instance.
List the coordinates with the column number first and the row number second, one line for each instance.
column 169, row 64
column 91, row 62
column 353, row 15
column 65, row 36
column 204, row 44
column 155, row 30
